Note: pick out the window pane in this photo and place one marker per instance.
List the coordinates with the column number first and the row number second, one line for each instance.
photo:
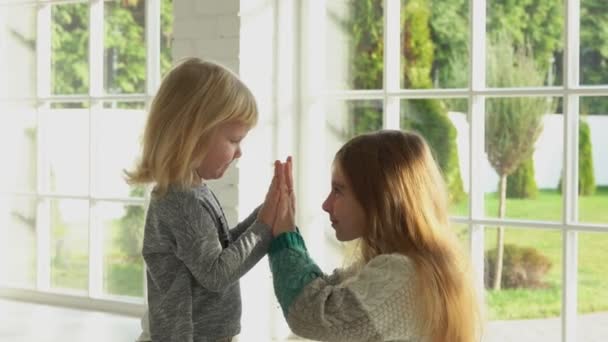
column 463, row 233
column 531, row 285
column 166, row 35
column 123, row 228
column 347, row 119
column 18, row 146
column 524, row 49
column 524, row 148
column 70, row 49
column 18, row 53
column 434, row 44
column 69, row 244
column 354, row 44
column 116, row 130
column 594, row 43
column 125, row 51
column 593, row 160
column 592, row 286
column 65, row 149
column 443, row 123
column 18, row 241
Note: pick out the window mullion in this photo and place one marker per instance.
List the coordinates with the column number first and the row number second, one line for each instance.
column 392, row 42
column 570, row 167
column 43, row 89
column 476, row 118
column 96, row 72
column 152, row 46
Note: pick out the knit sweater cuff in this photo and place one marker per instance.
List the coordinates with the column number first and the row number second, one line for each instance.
column 287, row 240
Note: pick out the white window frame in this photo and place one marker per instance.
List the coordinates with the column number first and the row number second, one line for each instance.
column 94, row 298
column 312, row 119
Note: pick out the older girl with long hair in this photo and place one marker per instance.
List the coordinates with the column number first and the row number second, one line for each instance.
column 411, row 281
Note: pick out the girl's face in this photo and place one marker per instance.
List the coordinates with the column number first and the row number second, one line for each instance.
column 224, row 147
column 345, row 213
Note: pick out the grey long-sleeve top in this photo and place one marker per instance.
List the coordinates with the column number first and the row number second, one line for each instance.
column 194, row 262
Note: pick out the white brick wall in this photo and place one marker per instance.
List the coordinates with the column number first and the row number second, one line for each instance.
column 210, row 30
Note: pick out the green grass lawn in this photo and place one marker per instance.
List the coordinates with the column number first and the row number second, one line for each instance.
column 122, row 276
column 593, row 255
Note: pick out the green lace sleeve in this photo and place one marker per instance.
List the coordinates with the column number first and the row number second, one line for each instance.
column 292, row 268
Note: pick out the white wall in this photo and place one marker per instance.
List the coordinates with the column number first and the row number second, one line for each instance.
column 247, row 37
column 548, row 154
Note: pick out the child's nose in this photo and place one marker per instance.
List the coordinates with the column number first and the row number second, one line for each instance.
column 326, row 205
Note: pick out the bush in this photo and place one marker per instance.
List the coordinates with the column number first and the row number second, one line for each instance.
column 521, row 183
column 523, row 267
column 586, row 178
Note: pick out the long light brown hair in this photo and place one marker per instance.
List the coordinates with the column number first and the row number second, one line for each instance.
column 193, row 99
column 396, row 180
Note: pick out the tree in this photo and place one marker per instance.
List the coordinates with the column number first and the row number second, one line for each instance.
column 521, row 183
column 429, row 117
column 586, row 176
column 537, row 24
column 594, row 51
column 512, row 124
column 450, row 35
column 125, row 64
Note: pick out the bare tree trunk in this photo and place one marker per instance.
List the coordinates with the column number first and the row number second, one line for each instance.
column 500, row 236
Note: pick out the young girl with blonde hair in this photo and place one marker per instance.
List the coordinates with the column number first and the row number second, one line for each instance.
column 197, row 121
column 411, row 282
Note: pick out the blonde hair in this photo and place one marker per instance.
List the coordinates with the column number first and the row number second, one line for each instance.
column 396, row 180
column 193, row 99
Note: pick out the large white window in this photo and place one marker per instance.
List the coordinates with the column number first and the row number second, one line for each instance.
column 513, row 98
column 76, row 80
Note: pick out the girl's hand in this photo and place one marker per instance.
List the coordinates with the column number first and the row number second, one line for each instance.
column 289, row 181
column 285, row 217
column 267, row 213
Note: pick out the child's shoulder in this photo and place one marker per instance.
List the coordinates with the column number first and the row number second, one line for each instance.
column 394, row 264
column 176, row 198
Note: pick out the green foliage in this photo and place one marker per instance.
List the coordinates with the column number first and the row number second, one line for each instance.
column 523, row 267
column 521, row 183
column 126, row 279
column 430, row 119
column 594, row 50
column 586, row 176
column 70, row 46
column 538, row 24
column 416, row 45
column 365, row 28
column 125, row 53
column 449, row 33
column 130, row 237
column 124, row 46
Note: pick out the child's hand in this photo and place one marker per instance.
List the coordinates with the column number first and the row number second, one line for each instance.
column 289, row 181
column 269, row 208
column 285, row 217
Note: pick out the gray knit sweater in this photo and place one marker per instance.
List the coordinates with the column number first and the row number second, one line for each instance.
column 194, row 262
